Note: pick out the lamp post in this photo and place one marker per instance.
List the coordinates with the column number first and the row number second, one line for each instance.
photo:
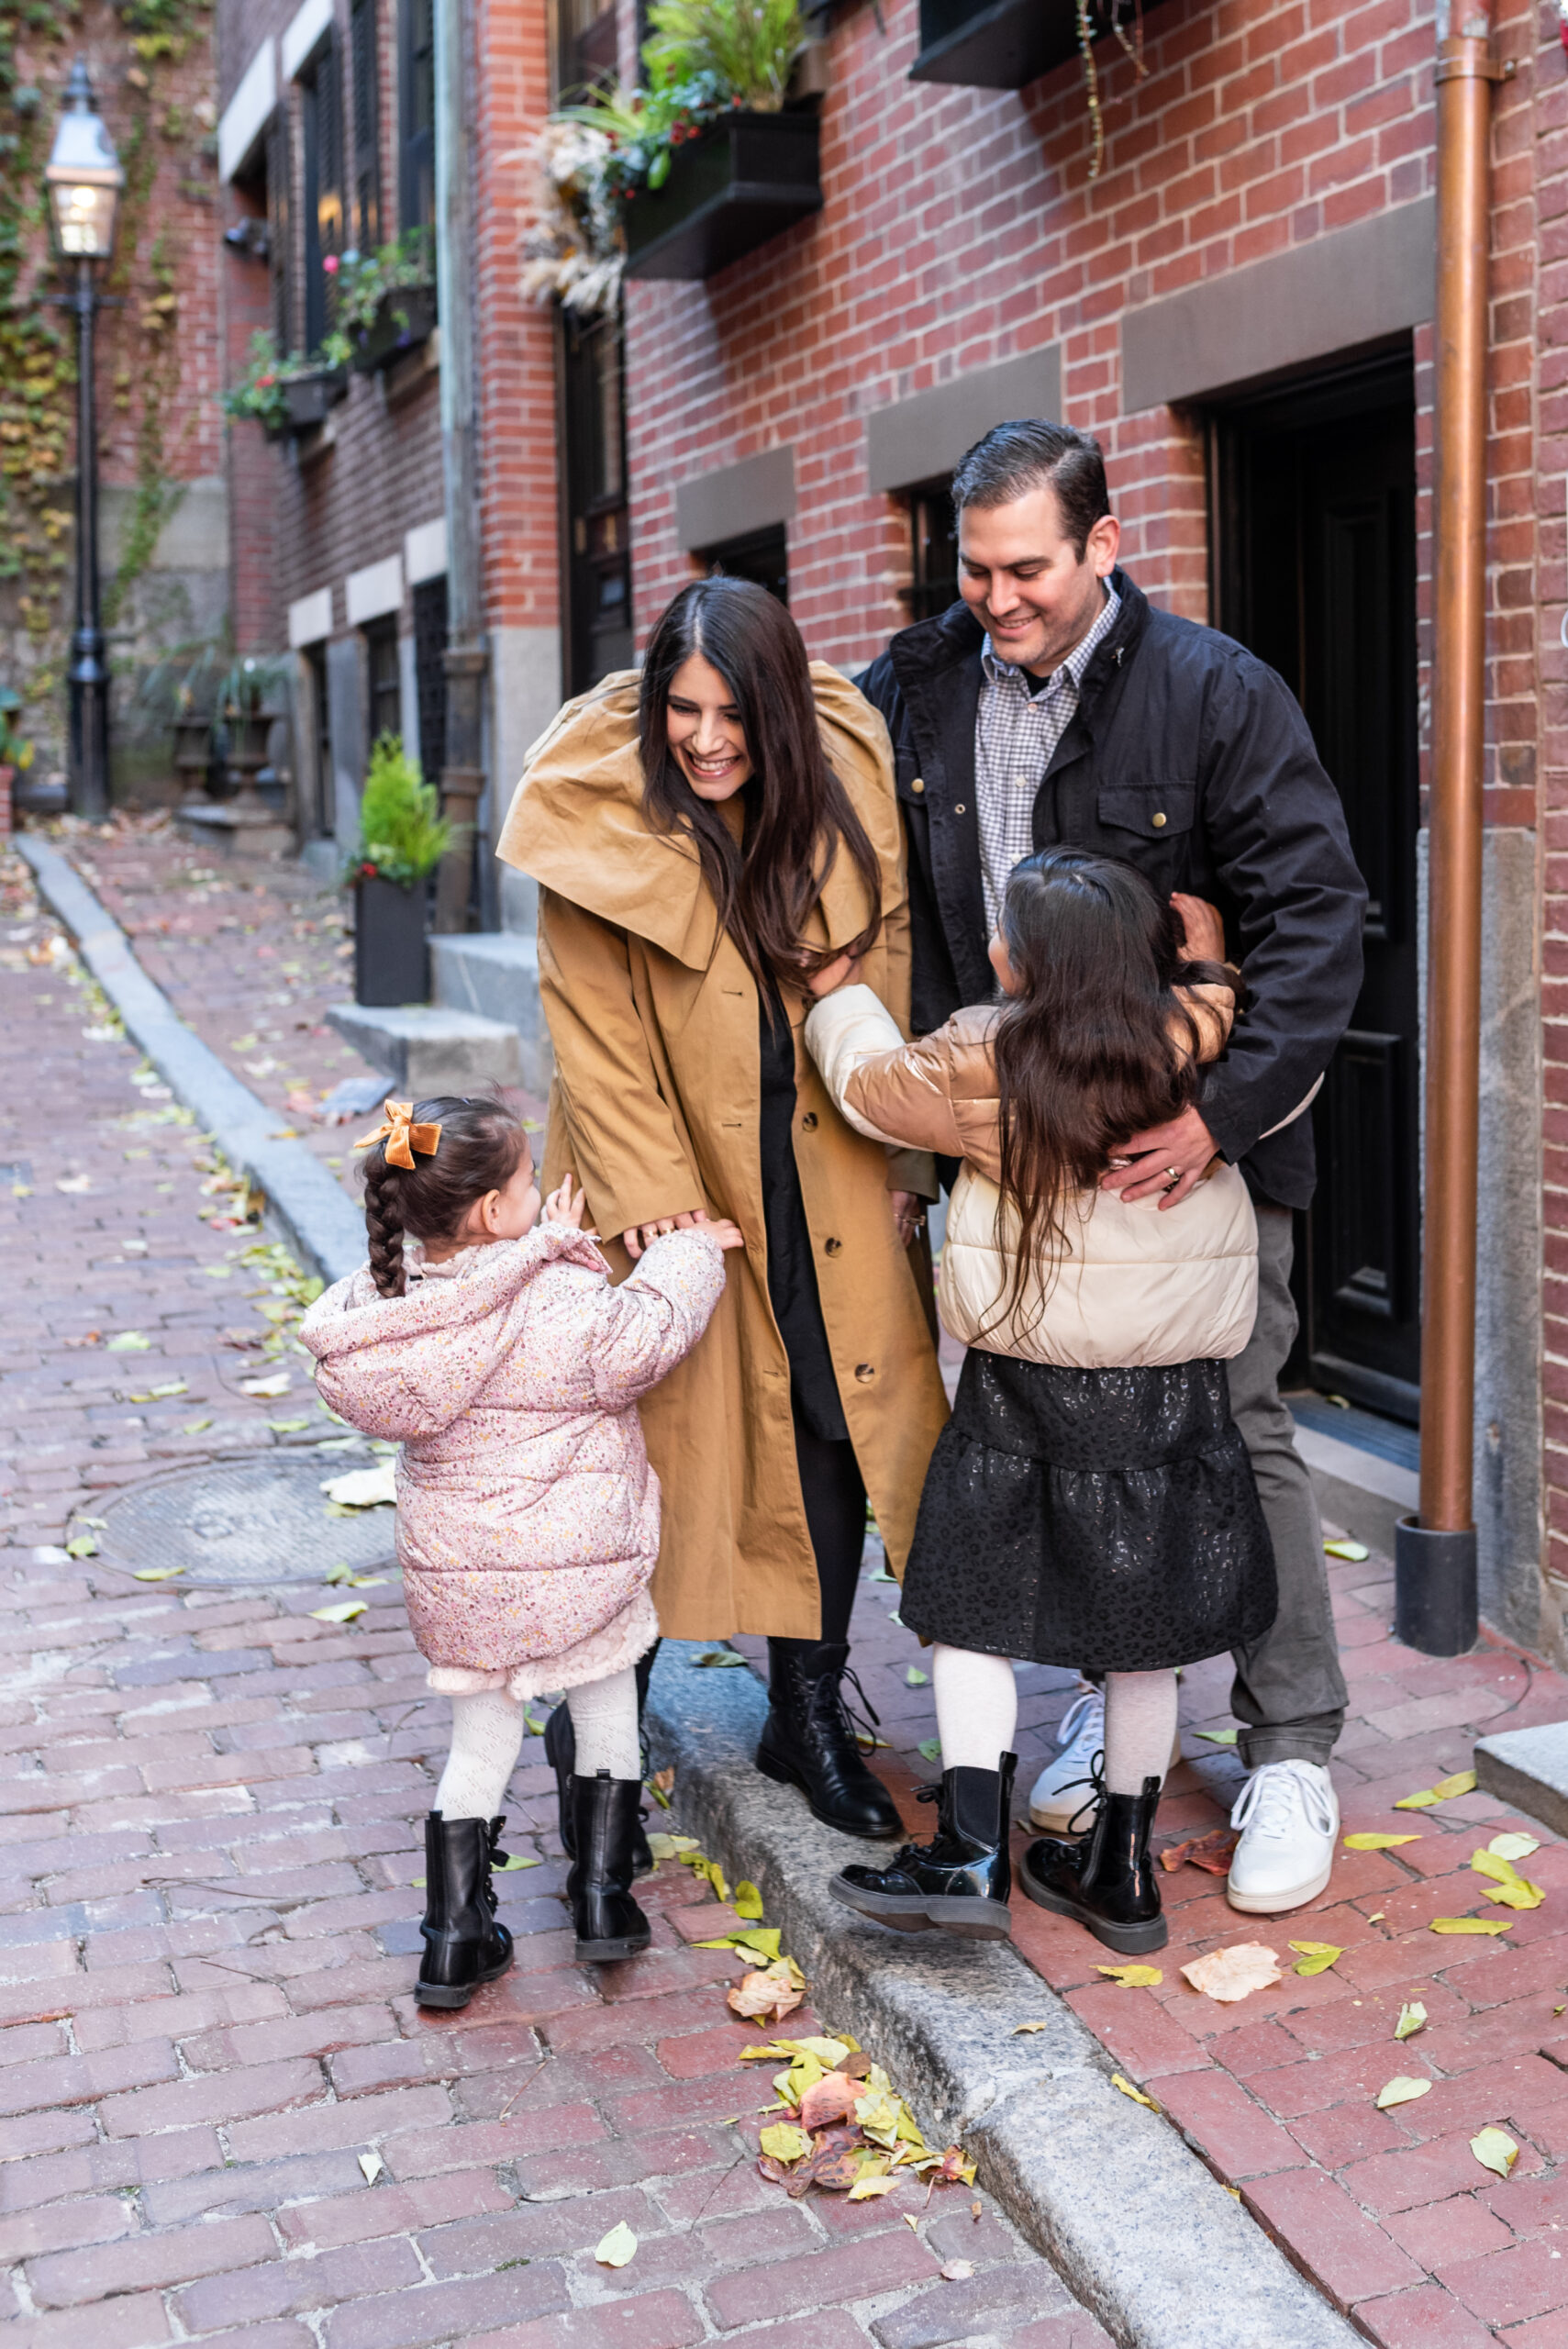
column 84, row 180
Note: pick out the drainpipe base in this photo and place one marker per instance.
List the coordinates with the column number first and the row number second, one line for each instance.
column 1435, row 1608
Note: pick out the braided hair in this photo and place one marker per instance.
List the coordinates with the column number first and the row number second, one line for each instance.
column 480, row 1147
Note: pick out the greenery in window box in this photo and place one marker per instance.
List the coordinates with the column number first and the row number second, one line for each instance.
column 402, row 836
column 704, row 57
column 260, row 393
column 16, row 751
column 364, row 281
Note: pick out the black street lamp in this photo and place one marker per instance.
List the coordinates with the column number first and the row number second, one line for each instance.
column 84, row 180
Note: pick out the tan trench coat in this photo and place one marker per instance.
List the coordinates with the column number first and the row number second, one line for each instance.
column 654, row 1019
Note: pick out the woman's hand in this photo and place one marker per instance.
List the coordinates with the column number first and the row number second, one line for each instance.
column 561, row 1206
column 908, row 1214
column 1203, row 931
column 642, row 1235
column 844, row 971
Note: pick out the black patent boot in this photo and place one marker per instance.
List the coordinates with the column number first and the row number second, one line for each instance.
column 463, row 1944
column 607, row 1920
column 808, row 1740
column 1104, row 1880
column 561, row 1753
column 959, row 1882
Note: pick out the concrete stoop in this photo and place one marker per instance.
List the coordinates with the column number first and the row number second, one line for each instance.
column 424, row 1048
column 1136, row 2226
column 495, row 973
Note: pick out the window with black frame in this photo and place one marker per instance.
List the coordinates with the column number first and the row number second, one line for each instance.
column 321, row 131
column 430, row 674
column 325, row 810
column 416, row 114
column 280, row 229
column 598, row 518
column 933, row 550
column 762, row 556
column 587, row 49
column 385, row 679
column 366, row 122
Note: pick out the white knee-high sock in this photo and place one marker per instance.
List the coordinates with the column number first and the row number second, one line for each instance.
column 977, row 1708
column 604, row 1722
column 487, row 1732
column 1141, row 1725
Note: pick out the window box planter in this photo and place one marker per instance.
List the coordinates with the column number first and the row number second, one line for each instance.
column 407, row 317
column 747, row 178
column 392, row 954
column 1000, row 44
column 308, row 398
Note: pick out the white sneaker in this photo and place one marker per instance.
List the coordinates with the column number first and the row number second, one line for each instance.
column 1289, row 1818
column 1062, row 1790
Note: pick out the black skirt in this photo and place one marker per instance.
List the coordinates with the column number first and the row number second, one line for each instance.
column 1106, row 1519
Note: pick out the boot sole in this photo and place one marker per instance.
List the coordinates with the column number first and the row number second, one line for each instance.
column 1129, row 1941
column 1275, row 1904
column 969, row 1916
column 606, row 1953
column 456, row 1994
column 783, row 1775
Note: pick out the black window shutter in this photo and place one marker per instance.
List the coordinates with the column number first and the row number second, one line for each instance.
column 280, row 228
column 416, row 114
column 367, row 126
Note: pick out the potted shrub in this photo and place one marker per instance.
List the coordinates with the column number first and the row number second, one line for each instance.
column 402, row 839
column 386, row 301
column 287, row 395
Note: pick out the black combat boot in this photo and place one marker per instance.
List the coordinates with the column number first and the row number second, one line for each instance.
column 808, row 1740
column 607, row 1920
column 959, row 1882
column 463, row 1944
column 561, row 1753
column 1105, row 1879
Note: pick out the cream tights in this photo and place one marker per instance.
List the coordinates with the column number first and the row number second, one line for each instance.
column 977, row 1715
column 487, row 1735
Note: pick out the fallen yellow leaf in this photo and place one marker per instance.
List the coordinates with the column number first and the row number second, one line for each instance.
column 1461, row 1782
column 1514, row 1847
column 1226, row 1975
column 1471, row 1925
column 619, row 2246
column 870, row 2184
column 1136, row 2094
column 784, row 2141
column 1520, row 1894
column 748, row 1901
column 1131, row 1978
column 1022, row 2029
column 1412, row 2017
column 344, row 1612
column 1401, row 2090
column 155, row 1574
column 1317, row 1957
column 1495, row 2150
column 1375, row 1842
column 1355, row 1550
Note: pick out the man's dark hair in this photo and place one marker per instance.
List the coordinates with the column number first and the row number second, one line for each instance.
column 1014, row 458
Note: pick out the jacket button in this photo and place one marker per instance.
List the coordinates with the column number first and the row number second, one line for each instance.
column 960, row 810
column 831, row 1247
column 917, row 784
column 1159, row 823
column 808, row 1123
column 865, row 1371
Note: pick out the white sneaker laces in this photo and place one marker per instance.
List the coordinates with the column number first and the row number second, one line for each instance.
column 1280, row 1795
column 1083, row 1724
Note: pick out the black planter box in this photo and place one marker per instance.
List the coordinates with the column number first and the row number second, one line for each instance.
column 1001, row 44
column 392, row 958
column 307, row 398
column 747, row 178
column 406, row 318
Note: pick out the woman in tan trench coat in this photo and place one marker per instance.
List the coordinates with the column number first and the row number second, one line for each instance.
column 680, row 1091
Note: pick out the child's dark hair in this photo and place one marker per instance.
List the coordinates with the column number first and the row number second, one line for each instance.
column 1096, row 1045
column 479, row 1150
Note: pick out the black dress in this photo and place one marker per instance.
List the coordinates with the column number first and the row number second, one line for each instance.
column 1106, row 1519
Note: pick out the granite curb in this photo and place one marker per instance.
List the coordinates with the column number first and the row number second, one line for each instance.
column 1139, row 2229
column 320, row 1223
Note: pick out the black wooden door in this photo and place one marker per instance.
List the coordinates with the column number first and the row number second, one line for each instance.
column 1314, row 530
column 591, row 409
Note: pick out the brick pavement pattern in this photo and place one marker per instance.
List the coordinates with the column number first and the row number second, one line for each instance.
column 224, row 2117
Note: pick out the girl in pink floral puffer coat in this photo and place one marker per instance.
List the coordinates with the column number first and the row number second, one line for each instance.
column 495, row 1352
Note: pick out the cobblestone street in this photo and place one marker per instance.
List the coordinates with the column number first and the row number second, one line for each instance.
column 225, row 2116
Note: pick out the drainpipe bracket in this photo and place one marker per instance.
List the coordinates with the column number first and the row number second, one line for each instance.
column 1474, row 65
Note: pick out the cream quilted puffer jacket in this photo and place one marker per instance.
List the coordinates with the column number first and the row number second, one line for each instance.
column 1139, row 1286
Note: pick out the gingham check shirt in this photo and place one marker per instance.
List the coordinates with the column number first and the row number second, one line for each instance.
column 1015, row 735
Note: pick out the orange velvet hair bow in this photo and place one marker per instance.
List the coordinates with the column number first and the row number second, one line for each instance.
column 399, row 1132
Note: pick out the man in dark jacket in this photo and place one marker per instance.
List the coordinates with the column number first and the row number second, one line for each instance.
column 1056, row 706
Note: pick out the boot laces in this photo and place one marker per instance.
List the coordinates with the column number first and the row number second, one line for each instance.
column 1095, row 1782
column 1279, row 1795
column 861, row 1726
column 493, row 1856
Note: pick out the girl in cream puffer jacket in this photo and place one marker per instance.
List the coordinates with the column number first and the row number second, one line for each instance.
column 1091, row 1501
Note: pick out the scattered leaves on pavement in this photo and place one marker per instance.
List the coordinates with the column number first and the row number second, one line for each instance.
column 670, row 1847
column 1211, row 1852
column 1137, row 2094
column 372, row 2165
column 277, row 1382
column 1317, row 1957
column 870, row 2183
column 344, row 1612
column 1021, row 2030
column 747, row 1901
column 769, row 1993
column 1226, row 1975
column 930, row 1749
column 1471, row 1925
column 619, row 2246
column 1412, row 2018
column 1401, row 2090
column 1218, row 1736
column 1461, row 1782
column 915, row 1678
column 1131, row 1978
column 1357, row 1552
column 1371, row 1842
column 1514, row 1846
column 129, row 1341
column 85, row 1545
column 160, row 1394
column 1495, row 2150
column 155, row 1574
column 717, row 1659
column 362, row 1488
column 785, row 2141
column 958, row 2271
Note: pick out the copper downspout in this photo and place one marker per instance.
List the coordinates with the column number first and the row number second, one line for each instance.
column 1436, row 1563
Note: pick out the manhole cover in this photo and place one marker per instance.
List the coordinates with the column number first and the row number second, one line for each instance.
column 245, row 1520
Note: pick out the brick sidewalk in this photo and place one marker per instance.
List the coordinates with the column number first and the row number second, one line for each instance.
column 209, row 1808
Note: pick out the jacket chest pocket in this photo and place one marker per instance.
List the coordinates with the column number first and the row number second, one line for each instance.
column 1154, row 814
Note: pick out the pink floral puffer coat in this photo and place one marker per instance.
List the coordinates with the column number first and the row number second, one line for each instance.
column 528, row 1516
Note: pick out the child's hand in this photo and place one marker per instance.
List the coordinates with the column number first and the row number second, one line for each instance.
column 561, row 1206
column 1203, row 931
column 727, row 1234
column 844, row 971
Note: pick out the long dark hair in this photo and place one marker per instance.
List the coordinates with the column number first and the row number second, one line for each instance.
column 479, row 1148
column 1096, row 1045
column 766, row 890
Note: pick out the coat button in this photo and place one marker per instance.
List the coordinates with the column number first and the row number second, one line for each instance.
column 865, row 1371
column 1159, row 823
column 831, row 1247
column 808, row 1123
column 917, row 784
column 960, row 810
